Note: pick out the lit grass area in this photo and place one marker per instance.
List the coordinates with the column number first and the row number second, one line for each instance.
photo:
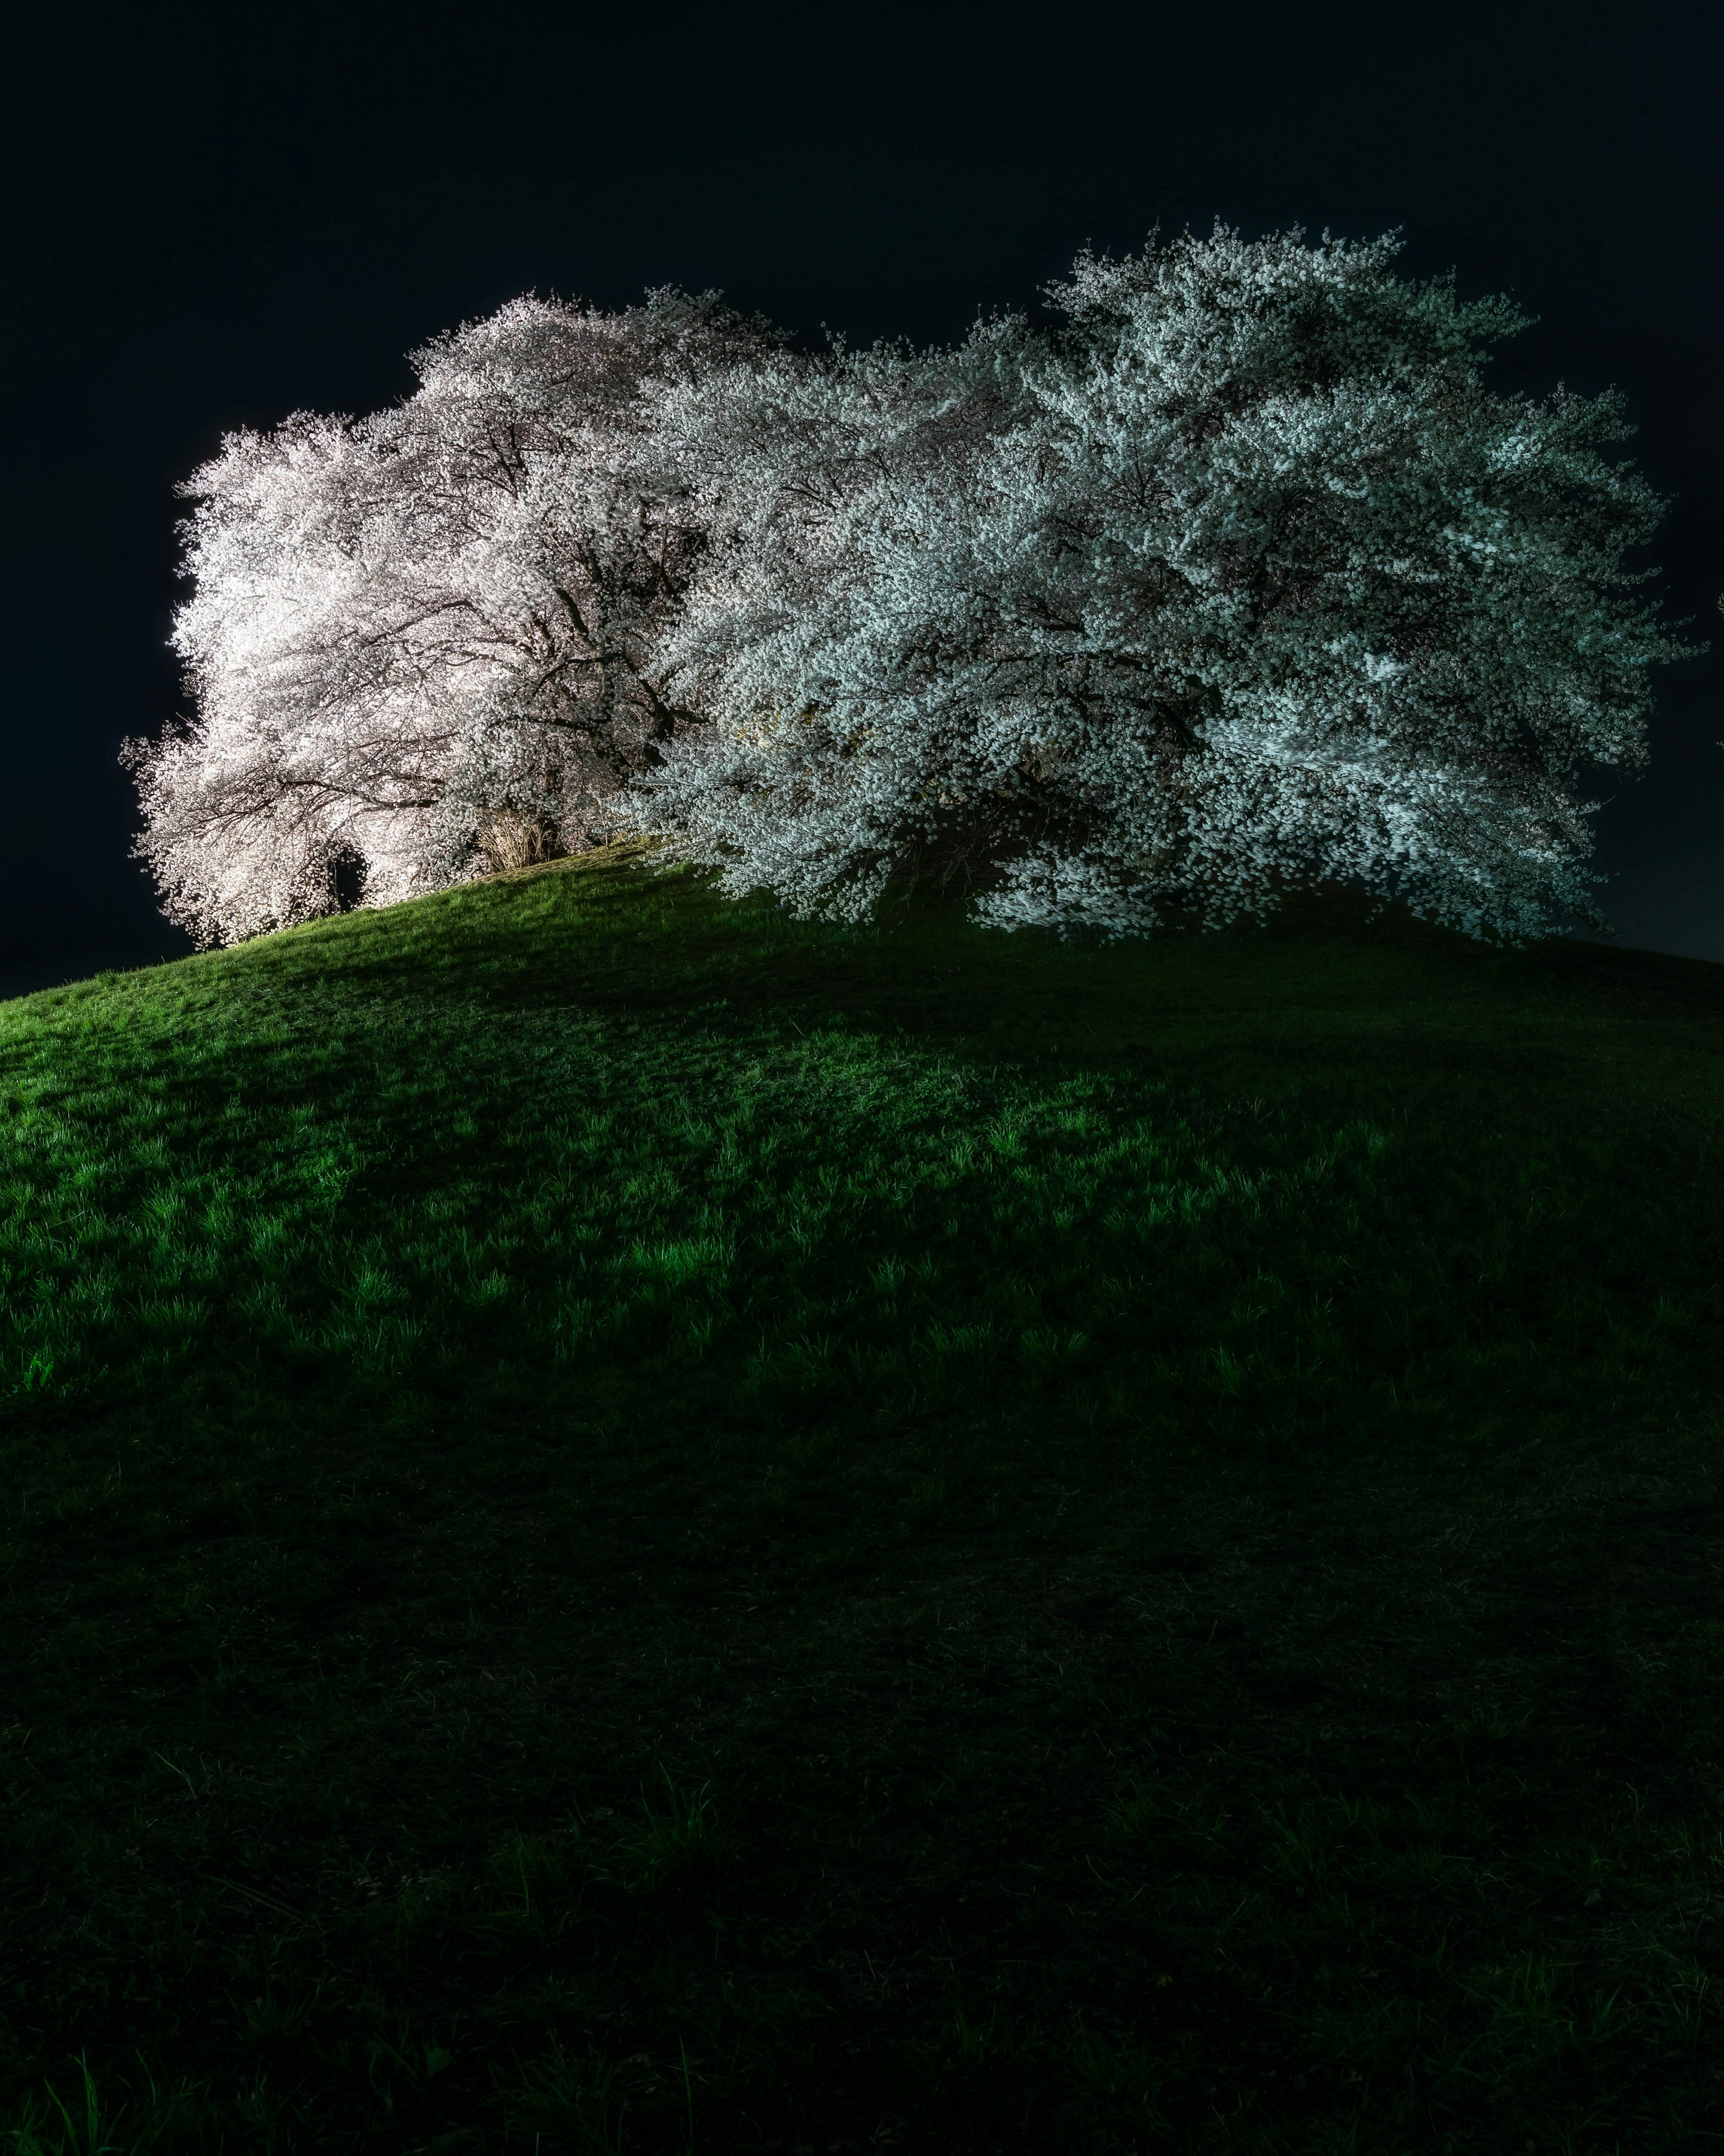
column 630, row 1526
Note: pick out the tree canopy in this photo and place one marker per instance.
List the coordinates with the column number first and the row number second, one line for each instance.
column 1236, row 576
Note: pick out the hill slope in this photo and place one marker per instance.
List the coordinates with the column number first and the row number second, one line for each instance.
column 634, row 1525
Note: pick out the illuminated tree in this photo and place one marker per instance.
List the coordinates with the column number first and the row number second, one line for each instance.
column 422, row 643
column 1240, row 578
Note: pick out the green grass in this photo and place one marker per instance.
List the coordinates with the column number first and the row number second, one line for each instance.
column 631, row 1527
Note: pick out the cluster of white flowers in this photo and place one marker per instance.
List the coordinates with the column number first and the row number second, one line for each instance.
column 1237, row 577
column 426, row 643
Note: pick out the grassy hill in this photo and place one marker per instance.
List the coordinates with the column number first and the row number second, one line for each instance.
column 630, row 1526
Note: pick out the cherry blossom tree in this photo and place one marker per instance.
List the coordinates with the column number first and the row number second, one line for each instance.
column 421, row 643
column 1239, row 577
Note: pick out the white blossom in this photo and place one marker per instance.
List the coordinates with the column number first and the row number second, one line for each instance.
column 424, row 641
column 1241, row 577
column 1238, row 577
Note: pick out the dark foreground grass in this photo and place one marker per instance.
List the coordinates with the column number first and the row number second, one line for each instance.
column 629, row 1527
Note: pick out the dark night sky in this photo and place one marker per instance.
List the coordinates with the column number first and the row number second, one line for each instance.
column 211, row 224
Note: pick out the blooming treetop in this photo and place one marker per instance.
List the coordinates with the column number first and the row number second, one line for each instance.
column 425, row 640
column 1237, row 576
